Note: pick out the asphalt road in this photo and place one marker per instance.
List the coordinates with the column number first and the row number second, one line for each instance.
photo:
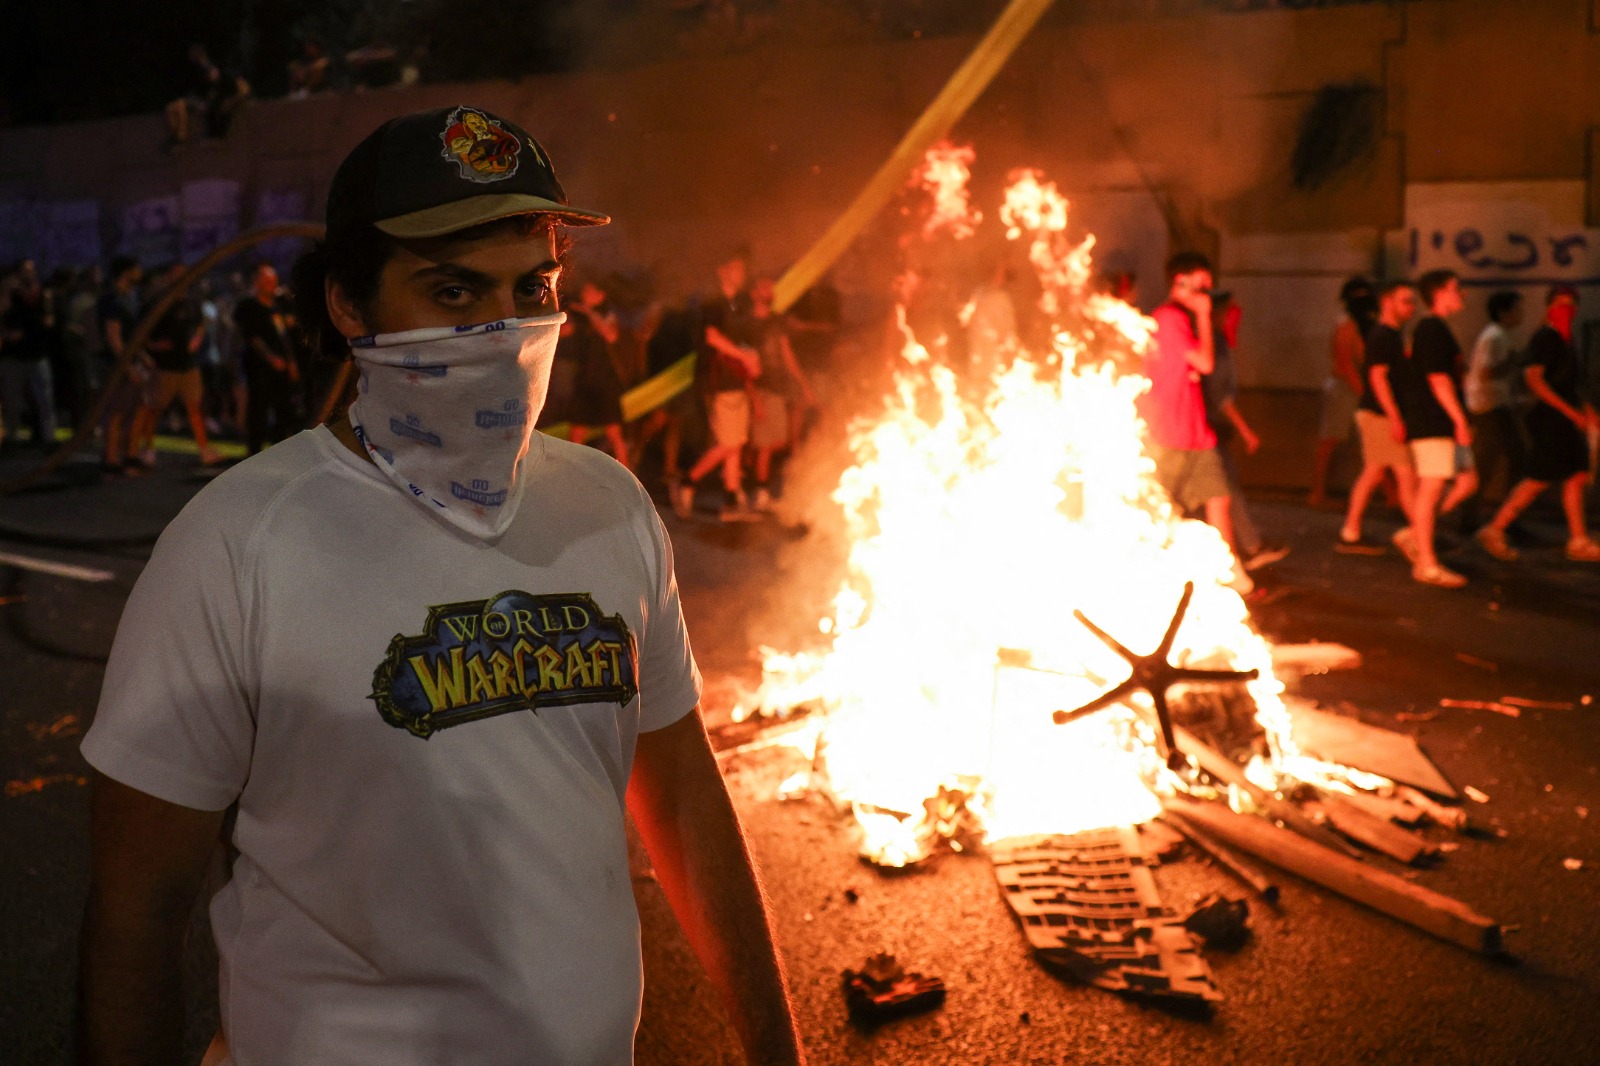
column 1321, row 981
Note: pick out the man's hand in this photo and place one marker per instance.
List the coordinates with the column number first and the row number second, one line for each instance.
column 1251, row 441
column 1464, row 434
column 1196, row 300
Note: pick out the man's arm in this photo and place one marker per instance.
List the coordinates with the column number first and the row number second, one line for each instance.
column 1444, row 390
column 1385, row 397
column 1246, row 434
column 147, row 860
column 745, row 357
column 687, row 821
column 1347, row 354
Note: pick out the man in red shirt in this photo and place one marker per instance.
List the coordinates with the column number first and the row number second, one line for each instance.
column 1180, row 439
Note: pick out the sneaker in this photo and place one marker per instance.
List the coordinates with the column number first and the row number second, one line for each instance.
column 682, row 500
column 1406, row 541
column 148, row 458
column 1358, row 545
column 1265, row 555
column 1583, row 550
column 1493, row 541
column 763, row 500
column 1438, row 575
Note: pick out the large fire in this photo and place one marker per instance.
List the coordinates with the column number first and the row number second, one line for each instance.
column 975, row 529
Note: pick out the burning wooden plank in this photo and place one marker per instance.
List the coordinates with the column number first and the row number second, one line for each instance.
column 1446, row 918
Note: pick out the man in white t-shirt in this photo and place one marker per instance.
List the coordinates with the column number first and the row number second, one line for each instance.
column 429, row 657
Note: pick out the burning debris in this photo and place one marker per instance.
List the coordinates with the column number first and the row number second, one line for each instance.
column 991, row 513
column 1089, row 906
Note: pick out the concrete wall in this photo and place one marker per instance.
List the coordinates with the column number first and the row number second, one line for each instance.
column 1178, row 123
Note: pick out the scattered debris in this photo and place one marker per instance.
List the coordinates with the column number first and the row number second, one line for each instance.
column 882, row 990
column 1483, row 705
column 1539, row 705
column 851, row 895
column 1221, row 922
column 1313, row 658
column 1352, row 742
column 23, row 786
column 1473, row 660
column 1572, row 864
column 1417, row 716
column 1475, row 795
column 1088, row 904
column 65, row 726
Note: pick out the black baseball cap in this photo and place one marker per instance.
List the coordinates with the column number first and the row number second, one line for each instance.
column 435, row 172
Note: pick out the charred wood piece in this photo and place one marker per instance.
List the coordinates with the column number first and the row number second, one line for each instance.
column 1221, row 922
column 882, row 990
column 1089, row 906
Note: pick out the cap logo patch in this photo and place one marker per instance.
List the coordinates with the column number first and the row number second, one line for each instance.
column 481, row 148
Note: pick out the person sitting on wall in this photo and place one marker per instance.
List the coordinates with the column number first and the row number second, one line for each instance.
column 209, row 95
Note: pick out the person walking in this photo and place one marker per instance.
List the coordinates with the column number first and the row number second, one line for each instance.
column 1343, row 389
column 1558, row 427
column 1437, row 432
column 1378, row 422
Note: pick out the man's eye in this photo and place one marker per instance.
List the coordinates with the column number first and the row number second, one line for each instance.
column 453, row 294
column 536, row 290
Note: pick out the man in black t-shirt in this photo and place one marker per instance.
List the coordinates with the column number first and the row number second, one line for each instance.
column 26, row 322
column 1428, row 388
column 270, row 368
column 730, row 361
column 1378, row 421
column 1558, row 428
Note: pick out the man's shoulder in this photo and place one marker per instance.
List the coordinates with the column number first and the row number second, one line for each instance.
column 240, row 499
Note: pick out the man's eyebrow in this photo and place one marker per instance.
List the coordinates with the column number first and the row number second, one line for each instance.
column 457, row 272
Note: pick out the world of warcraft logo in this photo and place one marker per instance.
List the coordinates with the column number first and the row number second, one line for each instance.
column 510, row 652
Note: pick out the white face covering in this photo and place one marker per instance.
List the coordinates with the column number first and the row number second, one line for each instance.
column 447, row 413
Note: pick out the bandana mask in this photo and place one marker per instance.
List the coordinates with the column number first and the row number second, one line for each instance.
column 447, row 413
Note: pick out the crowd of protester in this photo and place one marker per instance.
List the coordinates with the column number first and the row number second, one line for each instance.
column 222, row 360
column 1461, row 432
column 1450, row 433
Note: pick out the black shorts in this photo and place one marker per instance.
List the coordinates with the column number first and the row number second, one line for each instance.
column 1558, row 448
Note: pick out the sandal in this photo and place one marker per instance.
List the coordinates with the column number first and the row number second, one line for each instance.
column 1437, row 575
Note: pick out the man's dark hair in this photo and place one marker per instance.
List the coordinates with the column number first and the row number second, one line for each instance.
column 354, row 260
column 1394, row 285
column 1502, row 303
column 1430, row 283
column 1183, row 263
column 1558, row 290
column 120, row 265
column 1356, row 286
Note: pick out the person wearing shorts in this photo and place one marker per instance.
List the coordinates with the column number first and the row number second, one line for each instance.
column 1558, row 426
column 776, row 393
column 1378, row 422
column 729, row 337
column 1437, row 431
